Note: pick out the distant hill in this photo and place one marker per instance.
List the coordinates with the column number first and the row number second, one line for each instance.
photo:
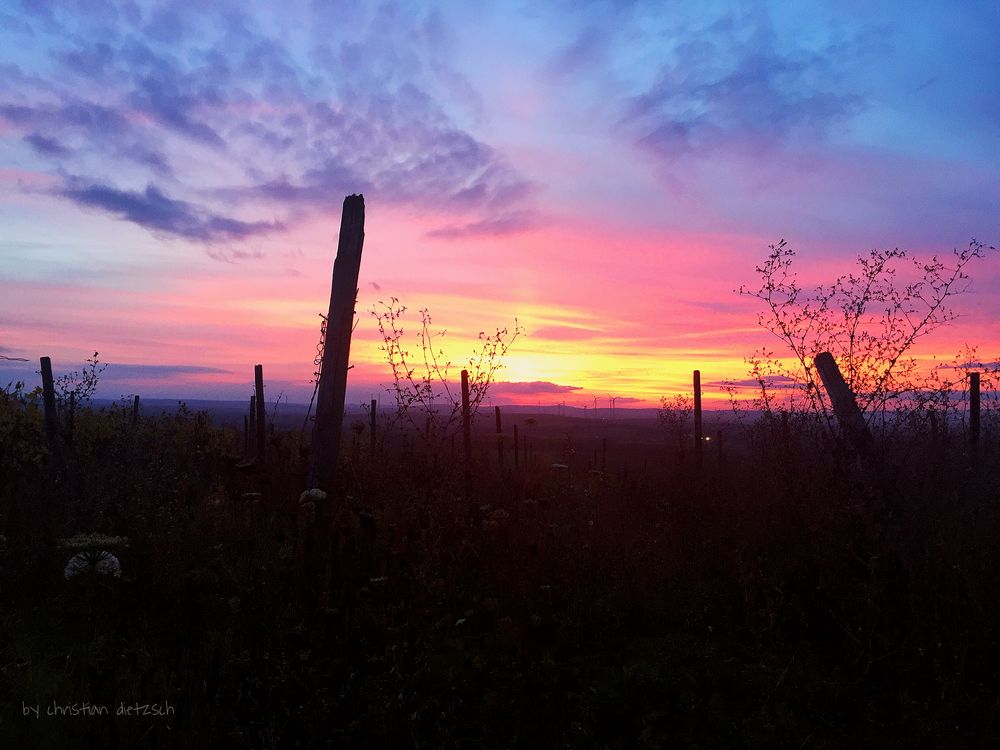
column 290, row 415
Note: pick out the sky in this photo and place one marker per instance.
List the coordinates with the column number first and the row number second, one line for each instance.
column 604, row 173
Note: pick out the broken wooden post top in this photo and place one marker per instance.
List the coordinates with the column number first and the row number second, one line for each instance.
column 845, row 407
column 352, row 224
column 829, row 372
column 840, row 393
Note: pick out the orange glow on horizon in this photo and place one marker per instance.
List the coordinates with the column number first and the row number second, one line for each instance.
column 600, row 310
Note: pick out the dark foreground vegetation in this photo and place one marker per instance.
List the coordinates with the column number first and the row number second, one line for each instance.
column 772, row 600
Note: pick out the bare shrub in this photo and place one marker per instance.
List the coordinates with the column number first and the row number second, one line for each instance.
column 675, row 416
column 870, row 319
column 79, row 386
column 426, row 397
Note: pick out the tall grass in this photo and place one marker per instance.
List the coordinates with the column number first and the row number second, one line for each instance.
column 765, row 603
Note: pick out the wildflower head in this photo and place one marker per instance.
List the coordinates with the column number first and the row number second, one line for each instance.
column 93, row 555
column 100, row 562
column 312, row 496
column 309, row 499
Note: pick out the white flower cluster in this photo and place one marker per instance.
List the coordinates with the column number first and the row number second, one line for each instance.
column 100, row 563
column 315, row 496
column 309, row 499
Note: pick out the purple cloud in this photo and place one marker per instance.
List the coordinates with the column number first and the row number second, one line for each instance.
column 158, row 372
column 162, row 215
column 502, row 226
column 533, row 386
column 297, row 123
column 971, row 365
column 46, row 146
column 167, row 103
column 93, row 128
column 771, row 381
column 732, row 85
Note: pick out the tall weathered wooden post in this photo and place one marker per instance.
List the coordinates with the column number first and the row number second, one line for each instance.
column 466, row 431
column 881, row 474
column 845, row 407
column 517, row 448
column 253, row 428
column 325, row 450
column 258, row 380
column 698, row 438
column 974, row 410
column 373, row 417
column 135, row 410
column 496, row 410
column 49, row 402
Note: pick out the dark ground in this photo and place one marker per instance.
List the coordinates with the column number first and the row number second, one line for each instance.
column 779, row 598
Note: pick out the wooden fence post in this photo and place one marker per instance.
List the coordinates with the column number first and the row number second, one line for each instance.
column 698, row 437
column 49, row 402
column 135, row 410
column 325, row 453
column 258, row 379
column 496, row 410
column 974, row 410
column 374, row 422
column 253, row 429
column 845, row 407
column 466, row 432
column 516, row 449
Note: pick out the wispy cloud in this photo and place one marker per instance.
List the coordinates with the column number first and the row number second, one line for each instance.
column 771, row 381
column 159, row 372
column 225, row 113
column 734, row 85
column 7, row 354
column 163, row 215
column 626, row 400
column 530, row 387
column 565, row 333
column 499, row 227
column 970, row 365
column 46, row 146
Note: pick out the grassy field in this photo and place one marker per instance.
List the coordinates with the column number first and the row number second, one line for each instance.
column 778, row 598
